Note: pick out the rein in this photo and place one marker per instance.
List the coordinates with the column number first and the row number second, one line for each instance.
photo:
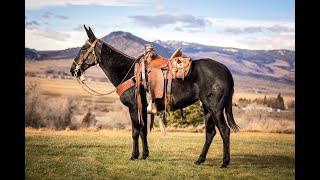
column 84, row 57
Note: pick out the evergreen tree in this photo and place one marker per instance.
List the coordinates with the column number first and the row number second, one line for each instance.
column 279, row 103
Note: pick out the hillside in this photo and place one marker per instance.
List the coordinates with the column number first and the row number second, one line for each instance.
column 277, row 65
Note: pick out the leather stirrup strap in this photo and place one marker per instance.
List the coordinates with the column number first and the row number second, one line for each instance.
column 169, row 77
column 168, row 102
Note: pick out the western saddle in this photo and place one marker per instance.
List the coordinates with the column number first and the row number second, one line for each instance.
column 155, row 73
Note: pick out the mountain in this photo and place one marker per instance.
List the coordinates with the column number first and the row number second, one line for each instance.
column 275, row 65
column 133, row 45
column 122, row 41
column 33, row 54
column 257, row 56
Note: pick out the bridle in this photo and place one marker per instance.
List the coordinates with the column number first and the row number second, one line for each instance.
column 85, row 56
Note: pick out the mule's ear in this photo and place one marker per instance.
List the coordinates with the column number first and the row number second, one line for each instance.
column 91, row 36
column 88, row 32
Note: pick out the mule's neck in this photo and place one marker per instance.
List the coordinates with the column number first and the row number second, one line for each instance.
column 115, row 64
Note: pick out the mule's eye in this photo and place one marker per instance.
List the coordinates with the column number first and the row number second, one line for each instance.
column 84, row 48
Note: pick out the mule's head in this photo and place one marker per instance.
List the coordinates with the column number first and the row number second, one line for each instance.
column 89, row 55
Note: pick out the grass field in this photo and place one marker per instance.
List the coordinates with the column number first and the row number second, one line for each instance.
column 105, row 155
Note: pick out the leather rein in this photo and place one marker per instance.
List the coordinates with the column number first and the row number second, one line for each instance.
column 84, row 57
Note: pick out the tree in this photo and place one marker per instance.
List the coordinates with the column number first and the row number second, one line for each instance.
column 279, row 103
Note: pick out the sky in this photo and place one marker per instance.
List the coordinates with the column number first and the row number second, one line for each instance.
column 245, row 24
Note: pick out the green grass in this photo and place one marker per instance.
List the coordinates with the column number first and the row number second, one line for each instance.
column 105, row 155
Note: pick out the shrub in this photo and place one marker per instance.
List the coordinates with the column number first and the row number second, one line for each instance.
column 291, row 104
column 89, row 120
column 34, row 116
column 244, row 101
column 59, row 112
column 192, row 115
column 49, row 113
column 275, row 103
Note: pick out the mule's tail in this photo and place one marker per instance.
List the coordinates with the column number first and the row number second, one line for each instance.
column 228, row 109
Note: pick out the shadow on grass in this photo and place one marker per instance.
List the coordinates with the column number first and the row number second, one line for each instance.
column 262, row 161
column 244, row 161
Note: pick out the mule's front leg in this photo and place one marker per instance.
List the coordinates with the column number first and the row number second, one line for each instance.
column 144, row 128
column 143, row 134
column 135, row 133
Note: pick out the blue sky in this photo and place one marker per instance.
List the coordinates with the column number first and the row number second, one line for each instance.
column 247, row 24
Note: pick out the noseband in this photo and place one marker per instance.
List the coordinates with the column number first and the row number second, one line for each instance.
column 85, row 56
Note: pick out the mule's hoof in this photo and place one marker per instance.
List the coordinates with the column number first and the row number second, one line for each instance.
column 144, row 157
column 133, row 158
column 198, row 162
column 223, row 165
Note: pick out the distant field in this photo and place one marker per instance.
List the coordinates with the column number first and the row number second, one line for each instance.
column 105, row 155
column 51, row 87
column 249, row 95
column 61, row 87
column 243, row 84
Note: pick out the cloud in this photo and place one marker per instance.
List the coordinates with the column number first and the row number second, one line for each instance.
column 159, row 6
column 241, row 23
column 252, row 29
column 192, row 31
column 188, row 21
column 278, row 28
column 47, row 14
column 234, row 31
column 36, row 4
column 29, row 24
column 43, row 39
column 269, row 42
column 257, row 29
column 61, row 16
column 50, row 34
column 79, row 28
column 179, row 29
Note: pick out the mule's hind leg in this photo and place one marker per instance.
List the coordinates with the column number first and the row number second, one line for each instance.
column 210, row 133
column 135, row 132
column 225, row 135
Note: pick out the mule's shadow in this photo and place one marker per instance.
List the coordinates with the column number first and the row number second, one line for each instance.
column 249, row 160
column 239, row 160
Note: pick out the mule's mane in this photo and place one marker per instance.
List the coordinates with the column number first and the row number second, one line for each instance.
column 118, row 51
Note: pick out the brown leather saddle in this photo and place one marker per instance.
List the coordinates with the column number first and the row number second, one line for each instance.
column 155, row 73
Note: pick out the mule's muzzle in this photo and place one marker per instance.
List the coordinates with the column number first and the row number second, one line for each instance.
column 75, row 69
column 74, row 73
